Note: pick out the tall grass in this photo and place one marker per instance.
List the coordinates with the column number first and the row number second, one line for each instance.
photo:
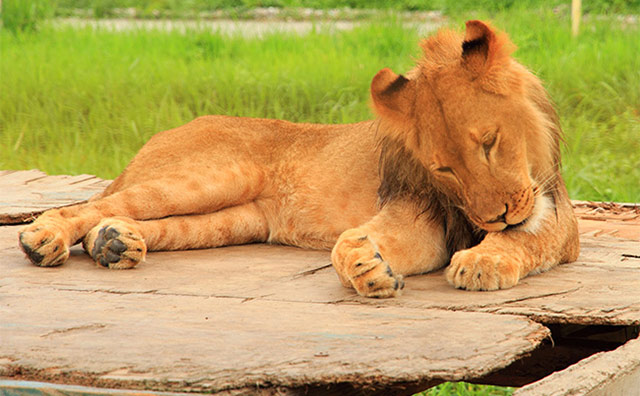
column 25, row 15
column 102, row 8
column 84, row 101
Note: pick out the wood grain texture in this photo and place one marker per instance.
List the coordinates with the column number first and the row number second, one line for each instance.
column 209, row 321
column 26, row 194
column 611, row 373
column 601, row 287
column 609, row 218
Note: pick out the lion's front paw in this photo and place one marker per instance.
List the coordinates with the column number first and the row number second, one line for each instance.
column 116, row 244
column 362, row 267
column 472, row 270
column 44, row 246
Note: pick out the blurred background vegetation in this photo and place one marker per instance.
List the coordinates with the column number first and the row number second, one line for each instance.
column 178, row 8
column 84, row 99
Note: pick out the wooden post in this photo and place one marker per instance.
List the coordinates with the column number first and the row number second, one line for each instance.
column 576, row 15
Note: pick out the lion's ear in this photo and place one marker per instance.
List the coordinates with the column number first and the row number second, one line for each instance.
column 393, row 95
column 484, row 49
column 486, row 54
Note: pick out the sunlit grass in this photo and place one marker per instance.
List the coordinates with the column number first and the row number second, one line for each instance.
column 85, row 101
column 466, row 389
column 149, row 8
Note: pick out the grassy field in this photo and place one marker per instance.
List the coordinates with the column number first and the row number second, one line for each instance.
column 153, row 8
column 84, row 101
column 465, row 389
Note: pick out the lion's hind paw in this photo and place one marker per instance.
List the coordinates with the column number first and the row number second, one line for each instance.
column 43, row 246
column 116, row 244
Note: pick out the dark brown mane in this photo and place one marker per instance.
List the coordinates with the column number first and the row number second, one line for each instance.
column 403, row 177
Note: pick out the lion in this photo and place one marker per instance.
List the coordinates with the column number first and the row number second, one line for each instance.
column 461, row 166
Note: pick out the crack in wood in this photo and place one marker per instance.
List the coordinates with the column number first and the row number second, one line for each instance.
column 157, row 293
column 311, row 271
column 109, row 291
column 75, row 328
column 35, row 179
column 475, row 307
column 515, row 300
column 87, row 179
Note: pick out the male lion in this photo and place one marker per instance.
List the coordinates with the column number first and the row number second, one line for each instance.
column 464, row 156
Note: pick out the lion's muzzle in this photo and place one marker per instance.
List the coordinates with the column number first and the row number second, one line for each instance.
column 514, row 212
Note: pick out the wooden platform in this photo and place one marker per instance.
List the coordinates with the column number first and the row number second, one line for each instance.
column 266, row 319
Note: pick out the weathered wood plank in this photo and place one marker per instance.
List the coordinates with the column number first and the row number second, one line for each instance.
column 205, row 322
column 26, row 194
column 611, row 373
column 611, row 218
column 600, row 288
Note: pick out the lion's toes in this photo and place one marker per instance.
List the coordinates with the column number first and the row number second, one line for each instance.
column 43, row 246
column 374, row 278
column 473, row 270
column 115, row 244
column 359, row 265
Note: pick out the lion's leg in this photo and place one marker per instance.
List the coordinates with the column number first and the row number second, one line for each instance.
column 47, row 240
column 397, row 242
column 120, row 242
column 503, row 258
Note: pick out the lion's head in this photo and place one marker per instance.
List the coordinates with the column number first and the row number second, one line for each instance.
column 478, row 123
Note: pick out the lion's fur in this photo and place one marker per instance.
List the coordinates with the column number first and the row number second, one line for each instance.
column 403, row 174
column 464, row 156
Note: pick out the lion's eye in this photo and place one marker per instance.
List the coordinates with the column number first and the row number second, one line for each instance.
column 488, row 144
column 447, row 174
column 445, row 169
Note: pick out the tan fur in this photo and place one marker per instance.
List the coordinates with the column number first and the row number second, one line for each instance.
column 464, row 158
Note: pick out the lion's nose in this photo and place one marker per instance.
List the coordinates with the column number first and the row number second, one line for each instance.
column 501, row 218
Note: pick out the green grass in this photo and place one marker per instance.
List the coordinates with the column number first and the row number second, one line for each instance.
column 466, row 389
column 105, row 8
column 33, row 9
column 20, row 15
column 84, row 101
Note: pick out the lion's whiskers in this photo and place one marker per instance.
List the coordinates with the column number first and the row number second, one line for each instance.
column 547, row 176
